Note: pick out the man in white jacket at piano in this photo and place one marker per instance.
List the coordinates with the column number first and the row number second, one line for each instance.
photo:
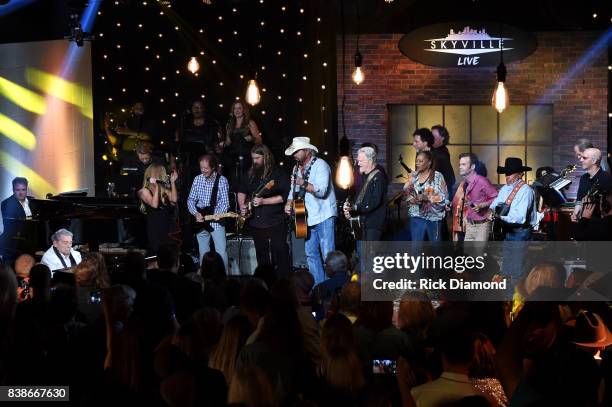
column 61, row 255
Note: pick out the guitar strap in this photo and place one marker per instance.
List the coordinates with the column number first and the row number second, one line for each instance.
column 365, row 186
column 302, row 192
column 514, row 192
column 59, row 256
column 213, row 194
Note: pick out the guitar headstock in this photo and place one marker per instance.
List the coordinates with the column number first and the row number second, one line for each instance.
column 568, row 170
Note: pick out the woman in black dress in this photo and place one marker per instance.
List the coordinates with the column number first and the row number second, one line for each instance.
column 158, row 198
column 241, row 135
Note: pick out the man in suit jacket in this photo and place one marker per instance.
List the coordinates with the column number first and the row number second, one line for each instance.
column 17, row 206
column 15, row 210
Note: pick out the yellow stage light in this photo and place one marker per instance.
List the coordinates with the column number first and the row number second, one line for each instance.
column 22, row 97
column 16, row 132
column 67, row 91
column 36, row 183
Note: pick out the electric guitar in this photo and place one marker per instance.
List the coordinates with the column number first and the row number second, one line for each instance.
column 249, row 205
column 209, row 217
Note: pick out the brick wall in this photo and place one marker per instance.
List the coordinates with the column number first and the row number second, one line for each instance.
column 580, row 103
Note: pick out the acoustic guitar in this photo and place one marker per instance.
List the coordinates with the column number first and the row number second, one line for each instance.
column 354, row 220
column 249, row 205
column 459, row 212
column 209, row 217
column 299, row 219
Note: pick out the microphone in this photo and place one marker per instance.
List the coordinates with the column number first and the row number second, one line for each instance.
column 166, row 183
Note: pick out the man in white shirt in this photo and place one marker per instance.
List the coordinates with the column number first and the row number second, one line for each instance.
column 312, row 182
column 61, row 255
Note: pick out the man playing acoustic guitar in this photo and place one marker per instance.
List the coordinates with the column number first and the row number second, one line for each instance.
column 369, row 211
column 311, row 184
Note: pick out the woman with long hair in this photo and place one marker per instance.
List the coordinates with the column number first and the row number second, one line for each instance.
column 233, row 338
column 158, row 198
column 427, row 196
column 241, row 134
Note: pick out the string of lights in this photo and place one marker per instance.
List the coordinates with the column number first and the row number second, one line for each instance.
column 167, row 54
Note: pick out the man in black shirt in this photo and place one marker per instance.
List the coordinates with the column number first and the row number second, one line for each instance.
column 369, row 204
column 369, row 208
column 134, row 167
column 594, row 178
column 442, row 155
column 19, row 234
column 266, row 186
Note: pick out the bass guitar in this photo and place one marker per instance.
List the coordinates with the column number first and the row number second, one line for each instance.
column 249, row 205
column 209, row 217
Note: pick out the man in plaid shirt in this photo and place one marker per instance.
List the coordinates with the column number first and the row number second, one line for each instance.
column 199, row 197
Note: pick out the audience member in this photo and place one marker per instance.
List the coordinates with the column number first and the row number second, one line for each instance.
column 350, row 300
column 250, row 387
column 457, row 354
column 234, row 336
column 23, row 265
column 186, row 295
column 91, row 277
column 336, row 269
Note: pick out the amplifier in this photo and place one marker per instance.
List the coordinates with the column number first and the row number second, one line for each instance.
column 241, row 256
column 298, row 252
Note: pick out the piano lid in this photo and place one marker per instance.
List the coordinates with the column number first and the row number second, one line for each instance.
column 86, row 207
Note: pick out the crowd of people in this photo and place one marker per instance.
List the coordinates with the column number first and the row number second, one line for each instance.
column 148, row 334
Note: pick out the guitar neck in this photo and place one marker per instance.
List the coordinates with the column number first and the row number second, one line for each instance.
column 220, row 216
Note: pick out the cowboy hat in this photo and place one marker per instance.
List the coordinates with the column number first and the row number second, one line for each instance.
column 512, row 166
column 300, row 143
column 588, row 329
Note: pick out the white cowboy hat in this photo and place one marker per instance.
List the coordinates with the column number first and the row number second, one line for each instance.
column 300, row 143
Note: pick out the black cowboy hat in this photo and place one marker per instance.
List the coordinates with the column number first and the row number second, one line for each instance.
column 512, row 166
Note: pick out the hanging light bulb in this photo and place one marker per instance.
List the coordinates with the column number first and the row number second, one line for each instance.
column 358, row 75
column 500, row 99
column 193, row 65
column 252, row 94
column 344, row 173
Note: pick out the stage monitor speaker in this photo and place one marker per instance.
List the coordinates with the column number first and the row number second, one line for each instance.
column 298, row 252
column 241, row 256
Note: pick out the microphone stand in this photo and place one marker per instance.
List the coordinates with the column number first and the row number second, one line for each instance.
column 181, row 218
